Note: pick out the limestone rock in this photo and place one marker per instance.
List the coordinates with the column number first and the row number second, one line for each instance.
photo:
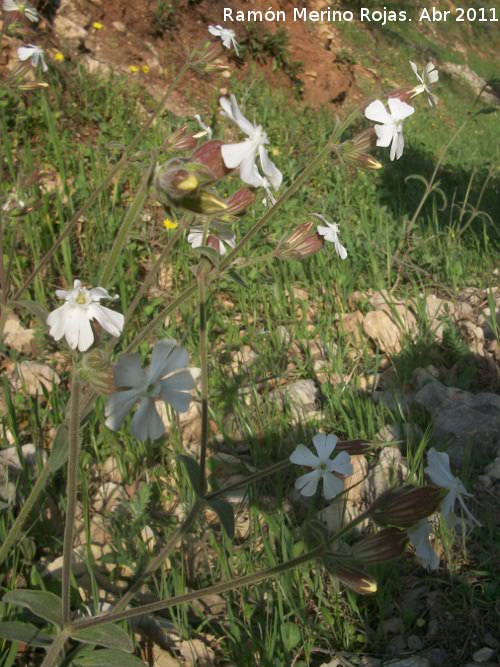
column 18, row 337
column 461, row 419
column 33, row 377
column 386, row 335
column 11, row 469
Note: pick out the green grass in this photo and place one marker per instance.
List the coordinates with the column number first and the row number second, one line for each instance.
column 301, row 618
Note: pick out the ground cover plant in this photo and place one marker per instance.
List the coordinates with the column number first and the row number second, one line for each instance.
column 190, row 275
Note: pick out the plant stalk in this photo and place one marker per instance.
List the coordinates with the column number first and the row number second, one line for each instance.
column 71, row 494
column 55, row 649
column 204, row 376
column 222, row 587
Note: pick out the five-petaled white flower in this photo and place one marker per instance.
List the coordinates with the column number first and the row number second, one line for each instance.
column 244, row 154
column 167, row 379
column 206, row 129
column 430, row 75
column 323, row 466
column 391, row 129
column 419, row 537
column 222, row 235
column 439, row 471
column 33, row 52
column 22, row 7
column 227, row 36
column 72, row 319
column 331, row 233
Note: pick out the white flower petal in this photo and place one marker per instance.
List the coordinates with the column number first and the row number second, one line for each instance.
column 399, row 110
column 164, row 359
column 340, row 250
column 308, row 483
column 25, row 52
column 110, row 321
column 56, row 321
column 377, row 112
column 146, row 423
column 332, row 485
column 128, row 371
column 438, row 468
column 245, row 125
column 385, row 134
column 269, row 168
column 302, row 456
column 415, row 71
column 341, row 464
column 176, row 390
column 119, row 405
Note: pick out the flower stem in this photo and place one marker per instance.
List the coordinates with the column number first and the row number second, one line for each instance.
column 222, row 587
column 71, row 493
column 204, row 377
column 55, row 649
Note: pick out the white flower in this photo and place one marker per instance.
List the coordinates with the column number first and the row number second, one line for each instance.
column 227, row 36
column 167, row 379
column 206, row 129
column 72, row 320
column 323, row 467
column 223, row 235
column 429, row 76
column 33, row 52
column 22, row 7
column 438, row 469
column 331, row 233
column 391, row 128
column 244, row 154
column 419, row 537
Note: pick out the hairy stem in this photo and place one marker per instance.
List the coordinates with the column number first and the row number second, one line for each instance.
column 55, row 650
column 222, row 587
column 204, row 378
column 71, row 492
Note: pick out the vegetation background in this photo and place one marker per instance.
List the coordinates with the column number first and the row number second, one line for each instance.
column 57, row 145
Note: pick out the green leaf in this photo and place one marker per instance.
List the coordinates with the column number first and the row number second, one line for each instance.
column 192, row 470
column 42, row 603
column 107, row 658
column 290, row 633
column 225, row 513
column 210, row 253
column 34, row 308
column 15, row 631
column 107, row 634
column 236, row 278
column 60, row 449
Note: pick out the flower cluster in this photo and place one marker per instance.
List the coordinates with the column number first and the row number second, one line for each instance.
column 390, row 123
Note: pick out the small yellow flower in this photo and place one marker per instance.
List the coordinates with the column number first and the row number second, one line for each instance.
column 170, row 224
column 275, row 152
column 133, row 68
column 97, row 26
column 145, row 69
column 59, row 57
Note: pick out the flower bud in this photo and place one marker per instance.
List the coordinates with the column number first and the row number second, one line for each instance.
column 403, row 94
column 385, row 545
column 357, row 151
column 97, row 371
column 204, row 202
column 209, row 154
column 180, row 140
column 405, row 506
column 302, row 243
column 177, row 179
column 354, row 447
column 357, row 580
column 203, row 57
column 240, row 201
